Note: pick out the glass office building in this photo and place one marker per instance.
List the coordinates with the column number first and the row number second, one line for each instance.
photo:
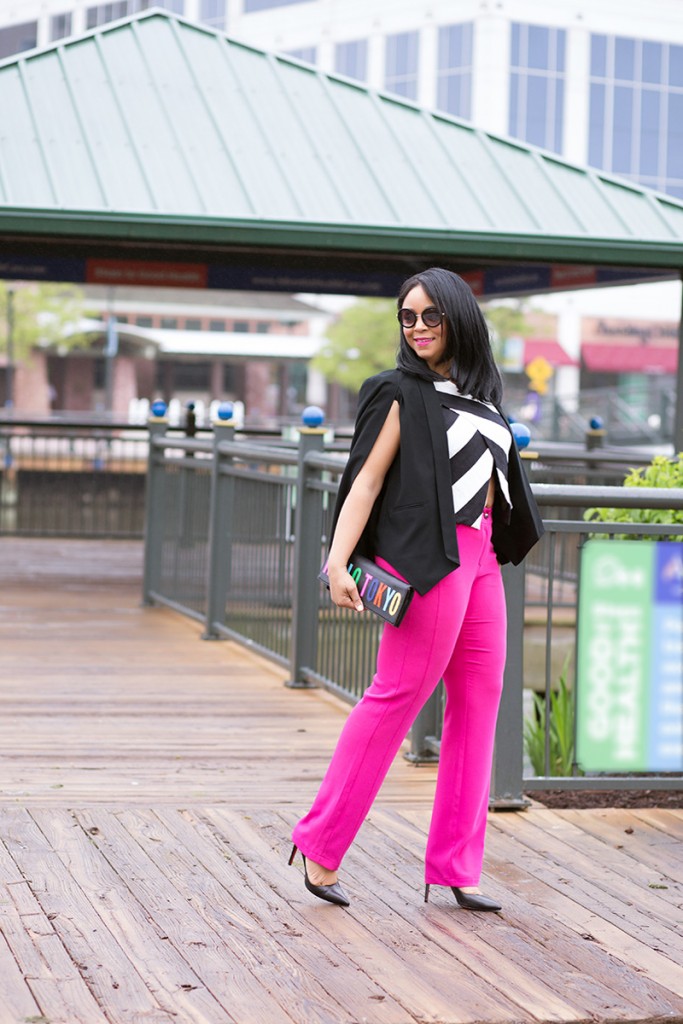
column 553, row 73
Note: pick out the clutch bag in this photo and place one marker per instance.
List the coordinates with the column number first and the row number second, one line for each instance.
column 381, row 592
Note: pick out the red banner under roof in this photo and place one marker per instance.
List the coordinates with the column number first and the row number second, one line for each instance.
column 630, row 358
column 546, row 348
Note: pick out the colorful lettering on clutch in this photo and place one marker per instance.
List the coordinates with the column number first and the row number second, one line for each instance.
column 372, row 591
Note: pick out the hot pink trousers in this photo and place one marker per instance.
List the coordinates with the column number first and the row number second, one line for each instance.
column 457, row 632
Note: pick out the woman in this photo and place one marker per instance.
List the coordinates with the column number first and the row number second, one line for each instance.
column 435, row 492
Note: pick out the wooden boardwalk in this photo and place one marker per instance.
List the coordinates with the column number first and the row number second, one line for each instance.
column 148, row 785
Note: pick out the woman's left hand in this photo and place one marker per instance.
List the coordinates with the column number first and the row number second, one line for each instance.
column 343, row 589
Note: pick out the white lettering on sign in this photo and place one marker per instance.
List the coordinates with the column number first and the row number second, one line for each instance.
column 615, row 676
column 609, row 572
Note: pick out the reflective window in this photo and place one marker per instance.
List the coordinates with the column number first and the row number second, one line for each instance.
column 351, row 59
column 454, row 72
column 104, row 13
column 674, row 162
column 651, row 102
column 676, row 66
column 537, row 70
column 212, row 12
column 401, row 64
column 264, row 5
column 622, row 133
column 169, row 323
column 636, row 111
column 16, row 38
column 60, row 26
column 193, row 325
column 309, row 54
column 599, row 56
column 624, row 59
column 651, row 62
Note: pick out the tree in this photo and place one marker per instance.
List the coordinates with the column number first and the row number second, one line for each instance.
column 505, row 321
column 362, row 341
column 41, row 315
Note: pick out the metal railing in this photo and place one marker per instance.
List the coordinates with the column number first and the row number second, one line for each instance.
column 72, row 479
column 84, row 476
column 642, row 413
column 236, row 532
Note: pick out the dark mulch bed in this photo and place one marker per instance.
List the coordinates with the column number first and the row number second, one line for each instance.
column 561, row 798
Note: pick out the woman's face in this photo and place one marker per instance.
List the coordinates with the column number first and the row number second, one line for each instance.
column 429, row 343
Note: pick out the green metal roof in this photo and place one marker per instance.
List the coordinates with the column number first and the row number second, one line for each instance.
column 156, row 130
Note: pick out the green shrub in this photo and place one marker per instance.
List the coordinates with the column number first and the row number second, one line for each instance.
column 561, row 730
column 662, row 472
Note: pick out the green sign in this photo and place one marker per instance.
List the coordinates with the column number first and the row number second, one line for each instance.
column 630, row 657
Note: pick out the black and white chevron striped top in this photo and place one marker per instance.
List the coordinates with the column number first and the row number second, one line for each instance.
column 478, row 443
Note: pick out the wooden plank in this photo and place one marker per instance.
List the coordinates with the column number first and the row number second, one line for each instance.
column 222, row 886
column 48, row 975
column 16, row 999
column 668, row 821
column 530, row 944
column 429, row 985
column 131, row 971
column 109, row 702
column 364, row 994
column 656, row 855
column 589, row 967
column 201, row 943
column 581, row 902
column 624, row 885
column 628, row 973
column 123, row 713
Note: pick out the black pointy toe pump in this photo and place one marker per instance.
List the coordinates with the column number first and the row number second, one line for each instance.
column 330, row 893
column 470, row 900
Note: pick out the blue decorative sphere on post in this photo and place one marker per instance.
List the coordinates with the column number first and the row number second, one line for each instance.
column 225, row 411
column 521, row 434
column 596, row 433
column 158, row 409
column 313, row 416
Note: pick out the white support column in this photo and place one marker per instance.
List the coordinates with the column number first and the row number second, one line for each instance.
column 376, row 59
column 325, row 55
column 78, row 21
column 43, row 31
column 192, row 10
column 491, row 73
column 428, row 56
column 576, row 96
column 233, row 11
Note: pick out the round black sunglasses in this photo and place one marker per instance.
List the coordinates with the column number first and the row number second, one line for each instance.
column 431, row 316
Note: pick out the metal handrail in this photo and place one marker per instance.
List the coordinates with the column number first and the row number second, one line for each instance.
column 261, row 585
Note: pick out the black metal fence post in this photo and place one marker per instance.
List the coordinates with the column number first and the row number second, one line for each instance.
column 154, row 510
column 307, row 553
column 220, row 531
column 508, row 759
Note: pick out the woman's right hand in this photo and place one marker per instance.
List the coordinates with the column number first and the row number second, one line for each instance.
column 343, row 589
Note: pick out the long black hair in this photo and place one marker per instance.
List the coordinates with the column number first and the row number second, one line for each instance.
column 468, row 344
